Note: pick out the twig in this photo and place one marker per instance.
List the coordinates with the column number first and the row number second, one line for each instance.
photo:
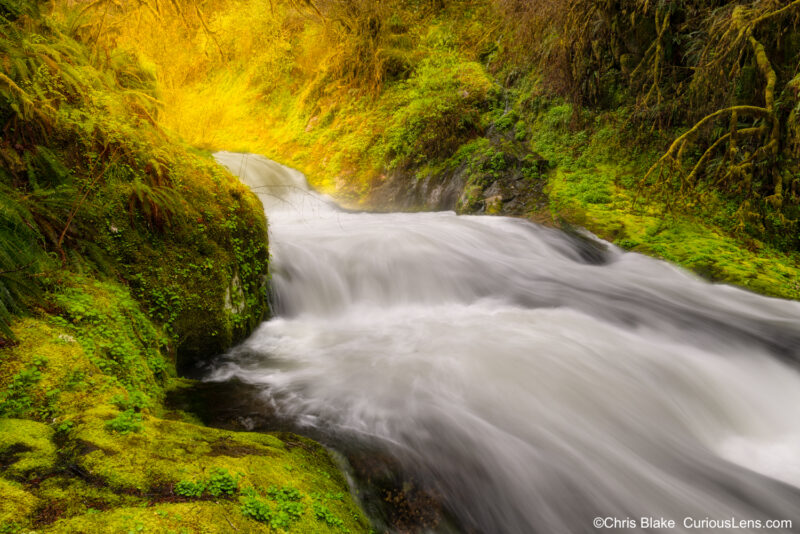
column 226, row 517
column 78, row 206
column 22, row 268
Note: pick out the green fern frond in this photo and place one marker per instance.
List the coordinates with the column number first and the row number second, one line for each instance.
column 13, row 9
column 156, row 204
column 21, row 257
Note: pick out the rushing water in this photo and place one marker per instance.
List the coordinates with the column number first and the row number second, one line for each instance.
column 535, row 379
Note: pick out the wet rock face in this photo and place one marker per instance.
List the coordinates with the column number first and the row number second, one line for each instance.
column 519, row 190
column 492, row 175
column 402, row 190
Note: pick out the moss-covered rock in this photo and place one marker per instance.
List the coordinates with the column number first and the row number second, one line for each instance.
column 204, row 277
column 92, row 448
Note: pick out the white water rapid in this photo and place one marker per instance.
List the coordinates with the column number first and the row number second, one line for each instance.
column 537, row 380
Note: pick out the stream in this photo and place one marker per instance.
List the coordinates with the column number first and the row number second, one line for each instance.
column 532, row 380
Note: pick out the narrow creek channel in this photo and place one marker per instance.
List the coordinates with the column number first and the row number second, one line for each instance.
column 528, row 379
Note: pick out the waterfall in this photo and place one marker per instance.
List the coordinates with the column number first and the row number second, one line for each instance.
column 537, row 379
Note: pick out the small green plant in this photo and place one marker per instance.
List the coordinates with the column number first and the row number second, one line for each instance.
column 136, row 401
column 16, row 400
column 76, row 380
column 10, row 528
column 287, row 509
column 284, row 494
column 125, row 423
column 221, row 482
column 255, row 508
column 505, row 122
column 520, row 131
column 323, row 513
column 192, row 489
column 288, row 512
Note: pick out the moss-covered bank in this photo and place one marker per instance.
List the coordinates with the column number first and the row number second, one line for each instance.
column 86, row 444
column 91, row 183
column 123, row 256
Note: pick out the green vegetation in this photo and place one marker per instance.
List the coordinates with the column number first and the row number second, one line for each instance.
column 287, row 502
column 712, row 82
column 88, row 450
column 592, row 186
column 91, row 183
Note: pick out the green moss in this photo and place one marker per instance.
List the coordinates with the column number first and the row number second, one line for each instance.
column 679, row 238
column 94, row 362
column 168, row 452
column 73, row 496
column 196, row 517
column 26, row 448
column 100, row 379
column 16, row 505
column 207, row 517
column 169, row 456
column 595, row 183
column 123, row 253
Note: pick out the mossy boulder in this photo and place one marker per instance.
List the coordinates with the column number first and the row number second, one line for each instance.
column 204, row 278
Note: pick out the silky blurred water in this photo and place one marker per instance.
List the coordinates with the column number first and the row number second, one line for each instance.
column 536, row 379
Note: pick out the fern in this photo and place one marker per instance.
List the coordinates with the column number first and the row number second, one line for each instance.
column 76, row 126
column 13, row 9
column 21, row 256
column 156, row 204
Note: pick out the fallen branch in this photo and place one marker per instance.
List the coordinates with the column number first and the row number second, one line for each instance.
column 77, row 207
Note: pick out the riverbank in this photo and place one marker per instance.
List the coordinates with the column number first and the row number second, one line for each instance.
column 127, row 258
column 90, row 444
